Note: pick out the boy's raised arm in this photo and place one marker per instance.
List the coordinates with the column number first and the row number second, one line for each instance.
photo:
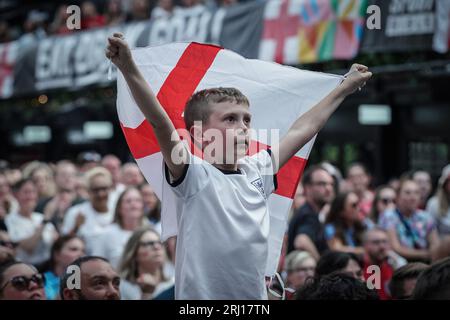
column 310, row 123
column 120, row 54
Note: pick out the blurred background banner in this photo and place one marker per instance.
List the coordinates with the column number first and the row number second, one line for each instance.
column 54, row 80
column 405, row 25
column 284, row 31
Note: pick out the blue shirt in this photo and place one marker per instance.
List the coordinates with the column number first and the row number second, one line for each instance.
column 51, row 285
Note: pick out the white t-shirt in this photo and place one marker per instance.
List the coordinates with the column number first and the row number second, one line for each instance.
column 21, row 228
column 111, row 244
column 132, row 291
column 223, row 227
column 93, row 226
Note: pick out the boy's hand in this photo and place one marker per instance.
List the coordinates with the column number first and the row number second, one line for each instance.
column 356, row 78
column 119, row 52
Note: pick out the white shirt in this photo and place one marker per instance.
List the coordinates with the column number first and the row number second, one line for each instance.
column 132, row 291
column 114, row 196
column 93, row 227
column 111, row 244
column 21, row 228
column 223, row 227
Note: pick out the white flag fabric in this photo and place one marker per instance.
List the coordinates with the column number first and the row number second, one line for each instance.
column 278, row 95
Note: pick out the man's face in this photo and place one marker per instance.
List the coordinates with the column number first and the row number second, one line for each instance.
column 99, row 190
column 321, row 189
column 227, row 132
column 113, row 166
column 132, row 176
column 27, row 196
column 423, row 180
column 377, row 246
column 22, row 282
column 408, row 197
column 99, row 281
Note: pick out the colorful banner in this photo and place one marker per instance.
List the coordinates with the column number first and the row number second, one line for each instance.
column 285, row 31
column 305, row 31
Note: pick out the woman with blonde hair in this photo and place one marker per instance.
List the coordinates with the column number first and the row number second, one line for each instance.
column 128, row 217
column 142, row 266
column 299, row 266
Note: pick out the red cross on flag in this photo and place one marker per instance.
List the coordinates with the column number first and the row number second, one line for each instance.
column 278, row 95
column 280, row 37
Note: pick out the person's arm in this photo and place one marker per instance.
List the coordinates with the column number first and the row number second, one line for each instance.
column 407, row 253
column 433, row 240
column 336, row 244
column 30, row 243
column 120, row 54
column 310, row 123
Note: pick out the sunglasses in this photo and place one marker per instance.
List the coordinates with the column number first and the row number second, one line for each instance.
column 22, row 283
column 387, row 200
column 152, row 244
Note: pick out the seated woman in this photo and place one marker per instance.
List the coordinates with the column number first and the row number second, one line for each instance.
column 412, row 233
column 21, row 281
column 299, row 266
column 142, row 266
column 128, row 217
column 344, row 228
column 64, row 251
column 384, row 200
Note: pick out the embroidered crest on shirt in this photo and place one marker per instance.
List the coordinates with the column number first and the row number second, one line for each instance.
column 259, row 185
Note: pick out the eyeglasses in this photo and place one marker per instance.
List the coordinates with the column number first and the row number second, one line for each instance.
column 386, row 201
column 152, row 244
column 22, row 283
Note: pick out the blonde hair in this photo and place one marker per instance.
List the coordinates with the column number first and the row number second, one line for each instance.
column 296, row 258
column 94, row 172
column 128, row 267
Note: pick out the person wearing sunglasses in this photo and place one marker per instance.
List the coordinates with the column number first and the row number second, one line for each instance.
column 21, row 281
column 142, row 266
column 384, row 200
column 344, row 228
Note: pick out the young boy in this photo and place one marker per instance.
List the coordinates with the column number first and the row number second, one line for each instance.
column 222, row 211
